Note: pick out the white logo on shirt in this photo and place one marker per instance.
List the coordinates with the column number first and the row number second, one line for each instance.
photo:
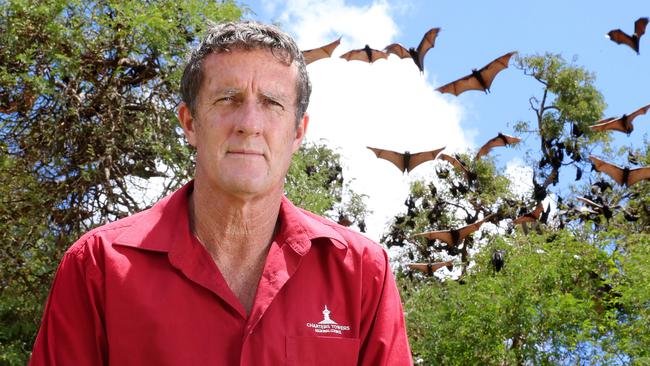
column 327, row 325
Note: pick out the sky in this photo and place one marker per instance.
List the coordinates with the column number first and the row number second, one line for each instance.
column 390, row 104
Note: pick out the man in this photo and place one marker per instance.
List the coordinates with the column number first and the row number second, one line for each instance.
column 226, row 271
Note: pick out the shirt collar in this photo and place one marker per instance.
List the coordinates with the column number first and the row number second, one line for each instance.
column 167, row 222
column 299, row 228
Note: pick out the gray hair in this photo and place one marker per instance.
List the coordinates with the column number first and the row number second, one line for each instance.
column 246, row 35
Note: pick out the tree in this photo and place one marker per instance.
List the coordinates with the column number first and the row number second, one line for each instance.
column 552, row 303
column 575, row 290
column 568, row 104
column 451, row 200
column 87, row 121
column 315, row 182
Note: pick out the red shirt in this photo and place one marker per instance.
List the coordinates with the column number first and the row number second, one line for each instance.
column 144, row 291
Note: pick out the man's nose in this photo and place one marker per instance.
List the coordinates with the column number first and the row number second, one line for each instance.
column 251, row 119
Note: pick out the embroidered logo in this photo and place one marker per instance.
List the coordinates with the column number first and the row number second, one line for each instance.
column 328, row 325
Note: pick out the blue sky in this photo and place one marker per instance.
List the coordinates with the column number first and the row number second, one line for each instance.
column 473, row 34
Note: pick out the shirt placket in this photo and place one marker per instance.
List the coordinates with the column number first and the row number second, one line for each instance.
column 281, row 263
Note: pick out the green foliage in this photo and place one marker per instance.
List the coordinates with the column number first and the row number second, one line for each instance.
column 315, row 182
column 568, row 104
column 88, row 92
column 550, row 299
column 448, row 201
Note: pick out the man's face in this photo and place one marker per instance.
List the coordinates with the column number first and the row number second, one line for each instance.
column 244, row 127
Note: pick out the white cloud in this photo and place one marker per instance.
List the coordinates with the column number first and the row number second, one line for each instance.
column 388, row 104
column 520, row 176
column 316, row 22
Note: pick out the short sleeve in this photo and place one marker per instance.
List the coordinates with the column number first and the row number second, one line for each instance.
column 72, row 330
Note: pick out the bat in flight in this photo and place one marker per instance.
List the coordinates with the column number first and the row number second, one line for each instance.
column 427, row 42
column 454, row 236
column 470, row 176
column 632, row 41
column 530, row 216
column 499, row 140
column 366, row 54
column 316, row 54
column 405, row 161
column 623, row 123
column 478, row 79
column 622, row 176
column 429, row 268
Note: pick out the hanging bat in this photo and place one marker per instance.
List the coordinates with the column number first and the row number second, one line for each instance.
column 632, row 158
column 454, row 236
column 429, row 268
column 578, row 173
column 623, row 123
column 456, row 163
column 632, row 41
column 478, row 79
column 591, row 203
column 17, row 105
column 406, row 161
column 417, row 55
column 366, row 54
column 316, row 54
column 603, row 209
column 498, row 259
column 622, row 176
column 344, row 220
column 499, row 140
column 530, row 216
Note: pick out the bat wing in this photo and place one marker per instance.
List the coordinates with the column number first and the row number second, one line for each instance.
column 427, row 42
column 466, row 230
column 422, row 267
column 493, row 142
column 359, row 55
column 611, row 123
column 621, row 37
column 442, row 235
column 392, row 156
column 398, row 50
column 637, row 175
column 612, row 170
column 639, row 26
column 362, row 55
column 490, row 71
column 499, row 140
column 421, row 157
column 457, row 164
column 589, row 202
column 531, row 216
column 522, row 219
column 377, row 55
column 453, row 161
column 321, row 52
column 457, row 87
column 638, row 112
column 510, row 139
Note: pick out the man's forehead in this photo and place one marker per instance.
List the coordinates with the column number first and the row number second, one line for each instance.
column 234, row 69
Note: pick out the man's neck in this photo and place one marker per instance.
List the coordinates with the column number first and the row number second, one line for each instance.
column 237, row 233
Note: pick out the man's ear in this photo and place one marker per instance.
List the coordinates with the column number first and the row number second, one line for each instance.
column 301, row 130
column 187, row 122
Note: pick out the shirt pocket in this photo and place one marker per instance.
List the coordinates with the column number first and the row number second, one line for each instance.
column 315, row 351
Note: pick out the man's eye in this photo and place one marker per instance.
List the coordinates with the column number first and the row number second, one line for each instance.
column 227, row 99
column 273, row 103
